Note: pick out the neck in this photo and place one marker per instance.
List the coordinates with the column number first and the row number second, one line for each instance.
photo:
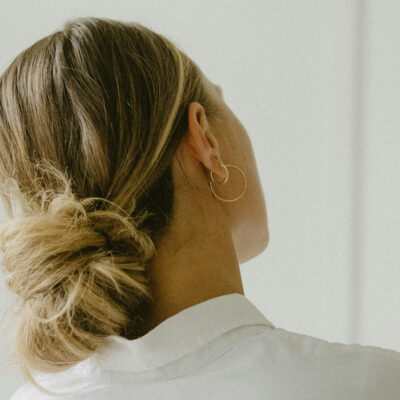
column 199, row 269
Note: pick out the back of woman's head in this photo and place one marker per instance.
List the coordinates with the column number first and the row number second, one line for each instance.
column 90, row 119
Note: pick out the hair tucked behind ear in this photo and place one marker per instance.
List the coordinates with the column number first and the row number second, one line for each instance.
column 90, row 119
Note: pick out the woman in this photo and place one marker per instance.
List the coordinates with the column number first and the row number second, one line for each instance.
column 133, row 196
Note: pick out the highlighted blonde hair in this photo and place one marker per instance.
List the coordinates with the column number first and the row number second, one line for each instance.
column 90, row 119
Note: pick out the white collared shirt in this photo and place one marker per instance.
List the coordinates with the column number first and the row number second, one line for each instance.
column 225, row 348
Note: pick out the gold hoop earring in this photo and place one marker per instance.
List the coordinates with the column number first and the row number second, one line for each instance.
column 225, row 180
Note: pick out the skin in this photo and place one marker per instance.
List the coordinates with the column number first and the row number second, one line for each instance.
column 198, row 259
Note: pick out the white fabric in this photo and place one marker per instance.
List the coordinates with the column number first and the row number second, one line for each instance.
column 225, row 348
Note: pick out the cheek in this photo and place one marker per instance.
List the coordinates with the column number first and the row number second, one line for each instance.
column 245, row 148
column 237, row 141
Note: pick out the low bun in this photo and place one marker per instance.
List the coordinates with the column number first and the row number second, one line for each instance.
column 77, row 287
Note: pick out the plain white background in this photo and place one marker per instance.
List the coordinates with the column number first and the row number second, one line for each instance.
column 316, row 84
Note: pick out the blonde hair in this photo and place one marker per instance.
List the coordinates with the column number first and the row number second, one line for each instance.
column 90, row 119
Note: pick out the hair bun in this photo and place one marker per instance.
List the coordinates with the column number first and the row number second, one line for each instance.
column 81, row 271
column 55, row 235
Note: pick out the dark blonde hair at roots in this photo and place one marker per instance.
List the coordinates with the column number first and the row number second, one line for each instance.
column 90, row 120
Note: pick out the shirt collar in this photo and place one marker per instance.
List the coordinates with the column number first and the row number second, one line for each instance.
column 180, row 334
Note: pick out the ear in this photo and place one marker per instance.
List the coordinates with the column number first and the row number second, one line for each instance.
column 201, row 140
